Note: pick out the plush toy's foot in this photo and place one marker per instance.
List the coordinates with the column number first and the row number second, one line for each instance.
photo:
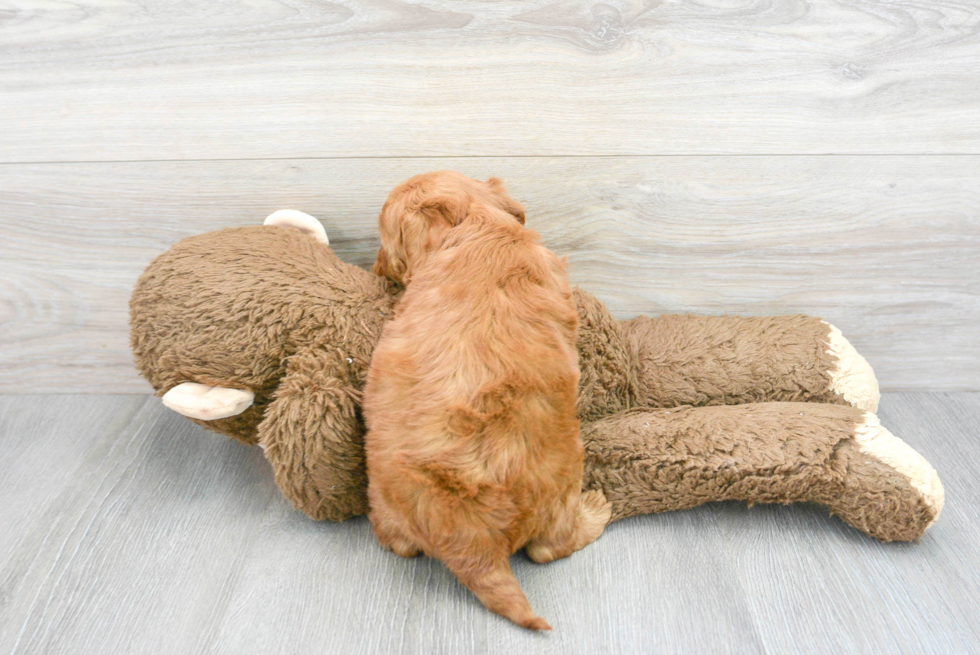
column 207, row 403
column 852, row 377
column 300, row 221
column 886, row 474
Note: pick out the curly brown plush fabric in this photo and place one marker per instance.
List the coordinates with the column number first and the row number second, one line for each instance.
column 733, row 360
column 649, row 461
column 271, row 310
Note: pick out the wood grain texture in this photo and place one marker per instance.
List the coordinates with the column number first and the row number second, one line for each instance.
column 93, row 80
column 886, row 248
column 41, row 452
column 142, row 533
column 143, row 543
column 416, row 606
column 819, row 590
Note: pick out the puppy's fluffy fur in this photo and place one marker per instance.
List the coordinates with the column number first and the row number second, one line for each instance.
column 473, row 447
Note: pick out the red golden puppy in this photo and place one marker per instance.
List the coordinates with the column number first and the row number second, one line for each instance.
column 473, row 447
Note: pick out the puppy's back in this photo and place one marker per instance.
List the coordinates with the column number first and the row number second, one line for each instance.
column 470, row 405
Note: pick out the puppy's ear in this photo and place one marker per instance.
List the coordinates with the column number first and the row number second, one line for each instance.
column 449, row 207
column 514, row 208
column 504, row 201
column 390, row 267
column 392, row 256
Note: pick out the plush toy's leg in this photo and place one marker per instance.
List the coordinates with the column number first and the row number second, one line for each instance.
column 658, row 460
column 207, row 403
column 314, row 439
column 715, row 360
column 300, row 221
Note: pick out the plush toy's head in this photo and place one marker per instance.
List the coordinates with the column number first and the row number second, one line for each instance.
column 229, row 308
column 420, row 212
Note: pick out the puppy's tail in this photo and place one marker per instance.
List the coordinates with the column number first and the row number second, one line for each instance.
column 495, row 586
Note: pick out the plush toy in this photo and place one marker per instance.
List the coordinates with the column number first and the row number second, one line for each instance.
column 263, row 334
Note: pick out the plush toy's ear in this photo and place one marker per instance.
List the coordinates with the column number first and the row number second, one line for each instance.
column 300, row 221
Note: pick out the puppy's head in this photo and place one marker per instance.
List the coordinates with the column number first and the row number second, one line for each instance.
column 419, row 213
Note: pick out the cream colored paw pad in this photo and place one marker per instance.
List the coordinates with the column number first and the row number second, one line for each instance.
column 299, row 221
column 207, row 403
column 852, row 378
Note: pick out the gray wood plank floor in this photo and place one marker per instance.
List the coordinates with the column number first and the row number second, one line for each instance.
column 127, row 529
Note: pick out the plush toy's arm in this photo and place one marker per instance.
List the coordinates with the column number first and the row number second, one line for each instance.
column 728, row 360
column 657, row 460
column 314, row 437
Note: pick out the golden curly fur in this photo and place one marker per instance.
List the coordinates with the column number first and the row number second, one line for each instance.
column 473, row 447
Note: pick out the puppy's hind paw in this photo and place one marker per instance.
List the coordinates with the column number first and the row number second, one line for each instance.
column 594, row 514
column 403, row 548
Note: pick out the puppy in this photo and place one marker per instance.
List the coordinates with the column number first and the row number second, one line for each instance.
column 473, row 447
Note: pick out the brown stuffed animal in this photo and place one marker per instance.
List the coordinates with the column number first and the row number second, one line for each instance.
column 263, row 334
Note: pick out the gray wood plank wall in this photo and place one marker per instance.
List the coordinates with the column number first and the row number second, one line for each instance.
column 146, row 79
column 725, row 157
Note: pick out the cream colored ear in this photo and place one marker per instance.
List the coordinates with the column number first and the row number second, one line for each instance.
column 300, row 221
column 207, row 403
